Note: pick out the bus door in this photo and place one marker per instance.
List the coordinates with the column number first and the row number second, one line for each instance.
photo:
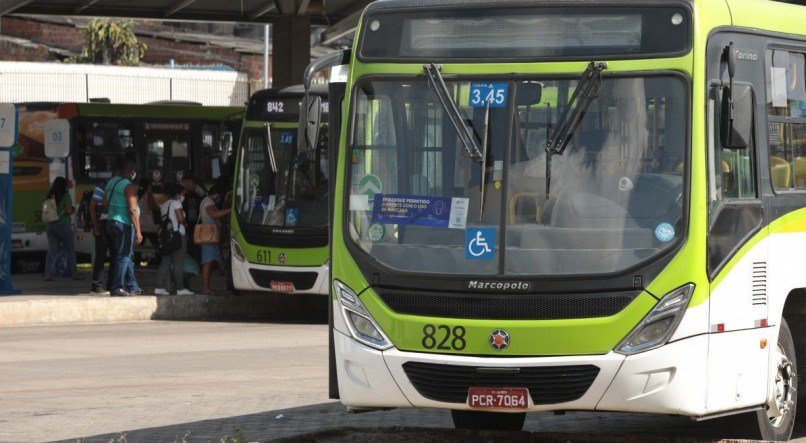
column 167, row 152
column 737, row 364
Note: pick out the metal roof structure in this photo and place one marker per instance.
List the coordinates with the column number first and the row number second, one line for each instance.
column 321, row 12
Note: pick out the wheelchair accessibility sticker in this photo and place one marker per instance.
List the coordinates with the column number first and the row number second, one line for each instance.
column 480, row 243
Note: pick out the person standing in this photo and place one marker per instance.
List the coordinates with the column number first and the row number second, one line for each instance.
column 172, row 264
column 103, row 243
column 191, row 206
column 123, row 225
column 209, row 215
column 60, row 231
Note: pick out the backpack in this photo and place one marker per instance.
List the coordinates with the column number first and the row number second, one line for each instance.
column 170, row 241
column 50, row 211
column 83, row 219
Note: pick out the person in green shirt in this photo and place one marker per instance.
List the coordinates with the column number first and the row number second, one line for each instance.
column 60, row 232
column 123, row 226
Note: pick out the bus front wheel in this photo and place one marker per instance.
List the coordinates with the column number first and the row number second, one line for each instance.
column 488, row 421
column 778, row 419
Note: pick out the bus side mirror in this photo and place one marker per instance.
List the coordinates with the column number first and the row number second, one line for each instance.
column 225, row 147
column 731, row 56
column 737, row 117
column 309, row 122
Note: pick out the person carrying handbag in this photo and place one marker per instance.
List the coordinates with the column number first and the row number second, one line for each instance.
column 172, row 239
column 206, row 234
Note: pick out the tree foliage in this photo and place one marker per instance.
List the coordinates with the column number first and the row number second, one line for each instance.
column 110, row 42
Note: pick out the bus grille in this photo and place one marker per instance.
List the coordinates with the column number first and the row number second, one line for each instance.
column 546, row 384
column 507, row 307
column 301, row 280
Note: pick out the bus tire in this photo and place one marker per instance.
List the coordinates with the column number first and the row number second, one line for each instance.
column 771, row 425
column 488, row 421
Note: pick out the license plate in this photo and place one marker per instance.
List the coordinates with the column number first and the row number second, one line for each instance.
column 282, row 286
column 498, row 398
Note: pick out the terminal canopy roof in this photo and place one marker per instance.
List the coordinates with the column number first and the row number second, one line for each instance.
column 244, row 11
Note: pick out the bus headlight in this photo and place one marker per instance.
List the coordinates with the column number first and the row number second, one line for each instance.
column 236, row 249
column 362, row 327
column 658, row 326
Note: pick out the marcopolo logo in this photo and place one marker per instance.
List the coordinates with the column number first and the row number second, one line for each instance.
column 498, row 285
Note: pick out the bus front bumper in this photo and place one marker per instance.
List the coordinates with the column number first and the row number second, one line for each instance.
column 667, row 380
column 245, row 275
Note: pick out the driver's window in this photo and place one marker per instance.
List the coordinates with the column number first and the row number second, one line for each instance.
column 732, row 173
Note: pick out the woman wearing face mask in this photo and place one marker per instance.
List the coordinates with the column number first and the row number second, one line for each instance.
column 210, row 214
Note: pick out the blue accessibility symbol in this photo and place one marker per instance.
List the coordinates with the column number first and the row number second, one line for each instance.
column 480, row 243
column 291, row 216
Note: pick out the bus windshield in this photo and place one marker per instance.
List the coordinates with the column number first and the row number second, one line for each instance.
column 278, row 186
column 419, row 203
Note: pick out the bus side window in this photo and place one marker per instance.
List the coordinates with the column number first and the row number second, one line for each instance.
column 209, row 153
column 98, row 144
column 180, row 159
column 786, row 119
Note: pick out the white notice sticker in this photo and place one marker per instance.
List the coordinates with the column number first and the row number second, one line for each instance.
column 359, row 202
column 458, row 216
column 5, row 162
column 778, row 77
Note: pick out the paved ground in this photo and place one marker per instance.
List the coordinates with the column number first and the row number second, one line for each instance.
column 203, row 381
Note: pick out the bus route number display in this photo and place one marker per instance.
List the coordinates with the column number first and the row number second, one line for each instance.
column 275, row 107
column 484, row 93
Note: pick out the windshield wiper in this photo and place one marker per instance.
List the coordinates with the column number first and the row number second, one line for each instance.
column 588, row 89
column 437, row 84
column 270, row 149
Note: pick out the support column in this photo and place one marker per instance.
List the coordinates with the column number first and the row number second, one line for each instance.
column 291, row 49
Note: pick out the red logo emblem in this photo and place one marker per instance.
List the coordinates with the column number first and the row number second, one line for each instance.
column 499, row 340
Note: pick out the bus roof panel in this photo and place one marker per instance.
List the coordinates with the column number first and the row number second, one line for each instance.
column 769, row 15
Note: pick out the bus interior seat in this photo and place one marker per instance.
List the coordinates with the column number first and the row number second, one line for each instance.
column 781, row 173
column 800, row 172
column 601, row 204
column 524, row 207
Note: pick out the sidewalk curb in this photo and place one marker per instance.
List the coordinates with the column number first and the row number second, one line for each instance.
column 98, row 309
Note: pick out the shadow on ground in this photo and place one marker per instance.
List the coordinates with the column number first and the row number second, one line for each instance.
column 331, row 422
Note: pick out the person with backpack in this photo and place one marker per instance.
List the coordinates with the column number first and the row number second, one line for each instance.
column 103, row 243
column 56, row 212
column 172, row 241
column 123, row 225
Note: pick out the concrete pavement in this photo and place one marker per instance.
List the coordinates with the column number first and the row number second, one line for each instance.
column 67, row 301
column 203, row 381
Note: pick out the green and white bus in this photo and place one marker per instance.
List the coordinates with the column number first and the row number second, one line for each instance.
column 168, row 139
column 280, row 206
column 579, row 205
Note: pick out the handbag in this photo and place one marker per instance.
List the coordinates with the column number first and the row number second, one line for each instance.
column 205, row 233
column 170, row 241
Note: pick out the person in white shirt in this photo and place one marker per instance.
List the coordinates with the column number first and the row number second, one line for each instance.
column 172, row 265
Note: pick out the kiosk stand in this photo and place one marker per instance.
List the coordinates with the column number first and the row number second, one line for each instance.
column 8, row 138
